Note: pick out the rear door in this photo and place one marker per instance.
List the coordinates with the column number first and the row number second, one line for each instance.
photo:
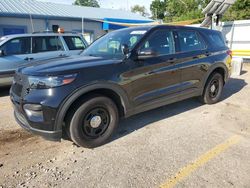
column 75, row 44
column 15, row 54
column 194, row 57
column 44, row 47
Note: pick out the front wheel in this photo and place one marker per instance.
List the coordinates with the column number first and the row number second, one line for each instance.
column 94, row 122
column 213, row 89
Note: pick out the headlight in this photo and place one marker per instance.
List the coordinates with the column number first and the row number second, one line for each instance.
column 40, row 82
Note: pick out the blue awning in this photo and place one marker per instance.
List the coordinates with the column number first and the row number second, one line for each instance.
column 114, row 23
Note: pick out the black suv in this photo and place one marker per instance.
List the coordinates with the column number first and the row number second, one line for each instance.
column 123, row 73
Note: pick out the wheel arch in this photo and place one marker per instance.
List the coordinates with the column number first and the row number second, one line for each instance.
column 220, row 68
column 110, row 90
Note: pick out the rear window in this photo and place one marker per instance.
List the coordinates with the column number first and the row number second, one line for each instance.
column 217, row 39
column 190, row 41
column 74, row 43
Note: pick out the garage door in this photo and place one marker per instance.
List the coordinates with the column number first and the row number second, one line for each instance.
column 10, row 31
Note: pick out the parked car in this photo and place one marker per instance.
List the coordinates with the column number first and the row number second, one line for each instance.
column 22, row 49
column 121, row 74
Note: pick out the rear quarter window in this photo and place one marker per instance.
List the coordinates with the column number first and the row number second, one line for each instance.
column 217, row 39
column 74, row 43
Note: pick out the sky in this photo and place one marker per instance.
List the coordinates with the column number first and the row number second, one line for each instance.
column 113, row 4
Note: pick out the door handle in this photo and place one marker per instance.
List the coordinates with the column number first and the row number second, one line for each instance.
column 28, row 58
column 172, row 60
column 151, row 72
column 207, row 53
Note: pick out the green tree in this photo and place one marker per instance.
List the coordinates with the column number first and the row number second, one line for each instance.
column 87, row 3
column 139, row 10
column 158, row 9
column 180, row 10
column 239, row 11
column 184, row 10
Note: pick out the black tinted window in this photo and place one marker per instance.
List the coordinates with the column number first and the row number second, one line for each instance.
column 17, row 46
column 217, row 39
column 45, row 44
column 74, row 43
column 190, row 41
column 161, row 42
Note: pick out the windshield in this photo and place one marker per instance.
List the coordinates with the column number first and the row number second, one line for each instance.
column 110, row 45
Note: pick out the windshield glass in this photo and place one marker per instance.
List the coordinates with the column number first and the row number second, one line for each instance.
column 110, row 45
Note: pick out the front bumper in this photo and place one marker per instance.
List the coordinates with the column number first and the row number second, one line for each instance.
column 19, row 114
column 48, row 135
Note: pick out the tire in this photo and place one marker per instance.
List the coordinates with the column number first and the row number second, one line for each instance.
column 213, row 89
column 94, row 122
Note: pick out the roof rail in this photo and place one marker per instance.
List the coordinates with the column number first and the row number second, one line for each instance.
column 50, row 31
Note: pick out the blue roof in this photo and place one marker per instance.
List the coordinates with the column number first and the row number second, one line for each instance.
column 22, row 8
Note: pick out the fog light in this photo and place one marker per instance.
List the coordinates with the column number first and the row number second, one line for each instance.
column 34, row 112
column 33, row 107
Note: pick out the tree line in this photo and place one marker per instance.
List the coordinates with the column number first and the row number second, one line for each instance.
column 180, row 10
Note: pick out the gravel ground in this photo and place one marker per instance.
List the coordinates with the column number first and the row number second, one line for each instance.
column 147, row 150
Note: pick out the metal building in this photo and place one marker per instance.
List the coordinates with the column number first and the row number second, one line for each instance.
column 25, row 16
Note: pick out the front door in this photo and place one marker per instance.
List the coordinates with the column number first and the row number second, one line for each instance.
column 156, row 77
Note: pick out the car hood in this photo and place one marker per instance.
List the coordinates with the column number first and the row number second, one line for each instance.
column 61, row 65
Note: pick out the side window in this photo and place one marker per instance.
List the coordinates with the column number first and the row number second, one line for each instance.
column 161, row 42
column 46, row 44
column 74, row 43
column 190, row 41
column 17, row 46
column 217, row 40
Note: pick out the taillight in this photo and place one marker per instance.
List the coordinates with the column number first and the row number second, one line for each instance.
column 229, row 52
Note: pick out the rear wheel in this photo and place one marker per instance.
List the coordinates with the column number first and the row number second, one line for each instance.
column 213, row 89
column 93, row 122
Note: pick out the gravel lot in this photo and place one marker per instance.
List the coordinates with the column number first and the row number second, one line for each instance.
column 176, row 145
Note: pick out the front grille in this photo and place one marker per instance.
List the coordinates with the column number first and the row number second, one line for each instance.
column 20, row 85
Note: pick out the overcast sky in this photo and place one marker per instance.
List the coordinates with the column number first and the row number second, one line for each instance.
column 114, row 4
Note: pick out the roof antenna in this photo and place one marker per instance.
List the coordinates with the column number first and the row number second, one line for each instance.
column 31, row 20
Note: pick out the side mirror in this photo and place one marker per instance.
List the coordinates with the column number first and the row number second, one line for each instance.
column 146, row 53
column 2, row 53
column 125, row 49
